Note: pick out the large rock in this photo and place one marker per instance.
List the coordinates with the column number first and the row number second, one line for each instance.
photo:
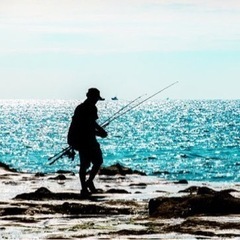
column 7, row 167
column 118, row 169
column 205, row 202
column 72, row 205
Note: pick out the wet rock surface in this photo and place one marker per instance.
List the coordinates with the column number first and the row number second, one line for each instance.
column 49, row 206
column 206, row 201
column 118, row 169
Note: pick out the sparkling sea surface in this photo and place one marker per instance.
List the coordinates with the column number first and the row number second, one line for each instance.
column 173, row 139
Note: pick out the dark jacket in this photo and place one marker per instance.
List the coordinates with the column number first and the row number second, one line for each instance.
column 82, row 131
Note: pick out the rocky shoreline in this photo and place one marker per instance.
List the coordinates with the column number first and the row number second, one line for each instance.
column 131, row 206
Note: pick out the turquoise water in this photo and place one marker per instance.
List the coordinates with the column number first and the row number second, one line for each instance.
column 173, row 139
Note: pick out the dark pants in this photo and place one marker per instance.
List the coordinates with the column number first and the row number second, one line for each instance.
column 89, row 155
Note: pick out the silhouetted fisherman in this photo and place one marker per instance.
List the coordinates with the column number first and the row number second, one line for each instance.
column 82, row 137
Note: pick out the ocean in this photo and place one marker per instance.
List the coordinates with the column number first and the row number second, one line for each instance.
column 196, row 140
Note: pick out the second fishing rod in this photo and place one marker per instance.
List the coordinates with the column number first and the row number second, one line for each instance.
column 115, row 116
column 121, row 113
column 69, row 151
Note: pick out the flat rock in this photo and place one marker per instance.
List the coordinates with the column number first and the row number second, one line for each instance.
column 206, row 202
column 118, row 169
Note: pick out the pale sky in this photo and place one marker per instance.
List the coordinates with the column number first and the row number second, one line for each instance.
column 57, row 49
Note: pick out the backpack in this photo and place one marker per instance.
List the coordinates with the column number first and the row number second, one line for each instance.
column 73, row 136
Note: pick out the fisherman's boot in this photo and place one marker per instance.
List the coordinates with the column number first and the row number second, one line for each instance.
column 84, row 192
column 89, row 182
column 91, row 186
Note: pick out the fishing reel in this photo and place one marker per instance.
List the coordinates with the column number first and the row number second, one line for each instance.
column 70, row 153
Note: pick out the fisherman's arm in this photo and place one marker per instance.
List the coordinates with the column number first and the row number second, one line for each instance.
column 100, row 131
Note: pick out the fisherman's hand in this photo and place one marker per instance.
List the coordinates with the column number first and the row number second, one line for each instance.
column 102, row 133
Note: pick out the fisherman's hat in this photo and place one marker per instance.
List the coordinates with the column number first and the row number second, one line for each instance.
column 94, row 93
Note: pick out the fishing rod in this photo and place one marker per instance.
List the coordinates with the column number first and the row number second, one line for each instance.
column 107, row 121
column 69, row 151
column 59, row 153
column 153, row 95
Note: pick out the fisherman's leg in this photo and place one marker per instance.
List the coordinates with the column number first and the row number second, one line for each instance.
column 97, row 162
column 94, row 171
column 82, row 176
column 84, row 165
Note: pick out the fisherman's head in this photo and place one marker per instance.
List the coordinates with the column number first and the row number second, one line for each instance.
column 93, row 94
